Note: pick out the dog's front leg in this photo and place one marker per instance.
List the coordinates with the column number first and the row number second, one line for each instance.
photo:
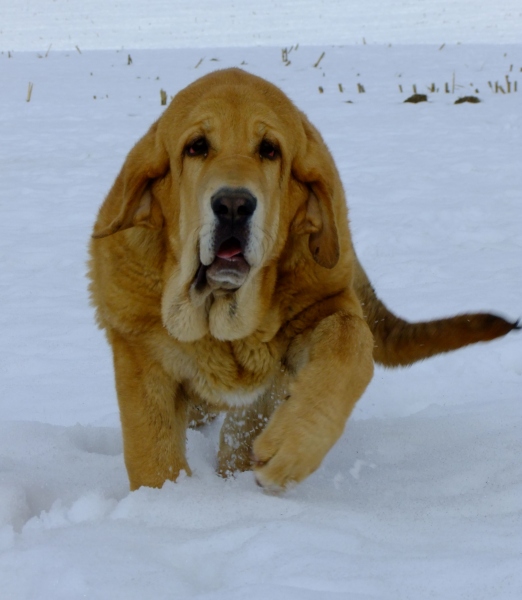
column 242, row 426
column 337, row 367
column 153, row 412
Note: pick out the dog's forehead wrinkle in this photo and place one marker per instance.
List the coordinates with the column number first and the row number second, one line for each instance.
column 248, row 126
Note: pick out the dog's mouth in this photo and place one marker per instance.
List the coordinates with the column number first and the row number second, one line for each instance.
column 227, row 271
column 230, row 250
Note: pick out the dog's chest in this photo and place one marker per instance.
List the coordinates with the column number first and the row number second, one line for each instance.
column 233, row 373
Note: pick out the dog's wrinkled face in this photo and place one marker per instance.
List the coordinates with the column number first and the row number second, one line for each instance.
column 231, row 179
column 234, row 180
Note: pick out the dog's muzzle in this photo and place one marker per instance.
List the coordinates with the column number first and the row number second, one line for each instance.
column 233, row 209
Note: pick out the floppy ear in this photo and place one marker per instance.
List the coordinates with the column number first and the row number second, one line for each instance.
column 130, row 201
column 314, row 167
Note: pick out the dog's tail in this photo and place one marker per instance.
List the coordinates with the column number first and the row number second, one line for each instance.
column 400, row 343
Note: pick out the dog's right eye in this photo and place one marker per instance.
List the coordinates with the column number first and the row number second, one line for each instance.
column 198, row 147
column 268, row 150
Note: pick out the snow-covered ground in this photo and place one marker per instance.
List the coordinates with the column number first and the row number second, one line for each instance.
column 422, row 497
column 94, row 24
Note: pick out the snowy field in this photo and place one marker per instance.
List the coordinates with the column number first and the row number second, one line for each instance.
column 422, row 497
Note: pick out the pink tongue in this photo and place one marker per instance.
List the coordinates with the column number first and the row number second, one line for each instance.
column 228, row 251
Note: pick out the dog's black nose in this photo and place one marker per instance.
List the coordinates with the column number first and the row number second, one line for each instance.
column 233, row 204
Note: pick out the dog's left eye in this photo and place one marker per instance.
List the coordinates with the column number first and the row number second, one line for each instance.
column 268, row 150
column 198, row 147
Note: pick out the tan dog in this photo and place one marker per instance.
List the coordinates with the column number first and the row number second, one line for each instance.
column 224, row 275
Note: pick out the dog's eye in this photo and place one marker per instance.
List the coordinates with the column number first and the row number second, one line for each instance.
column 268, row 150
column 199, row 147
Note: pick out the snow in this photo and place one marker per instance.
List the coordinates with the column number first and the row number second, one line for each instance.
column 94, row 25
column 422, row 496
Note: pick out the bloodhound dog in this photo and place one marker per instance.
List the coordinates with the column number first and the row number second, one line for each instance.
column 224, row 275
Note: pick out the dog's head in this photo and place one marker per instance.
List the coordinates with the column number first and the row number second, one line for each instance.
column 232, row 173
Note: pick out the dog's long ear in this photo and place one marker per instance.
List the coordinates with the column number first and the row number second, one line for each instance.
column 130, row 201
column 314, row 167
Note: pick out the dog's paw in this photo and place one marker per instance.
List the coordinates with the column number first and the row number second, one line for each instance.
column 293, row 445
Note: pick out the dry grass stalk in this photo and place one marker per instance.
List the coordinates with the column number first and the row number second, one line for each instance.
column 319, row 60
column 284, row 54
column 163, row 96
column 29, row 92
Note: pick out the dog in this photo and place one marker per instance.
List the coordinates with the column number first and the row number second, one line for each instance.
column 223, row 273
